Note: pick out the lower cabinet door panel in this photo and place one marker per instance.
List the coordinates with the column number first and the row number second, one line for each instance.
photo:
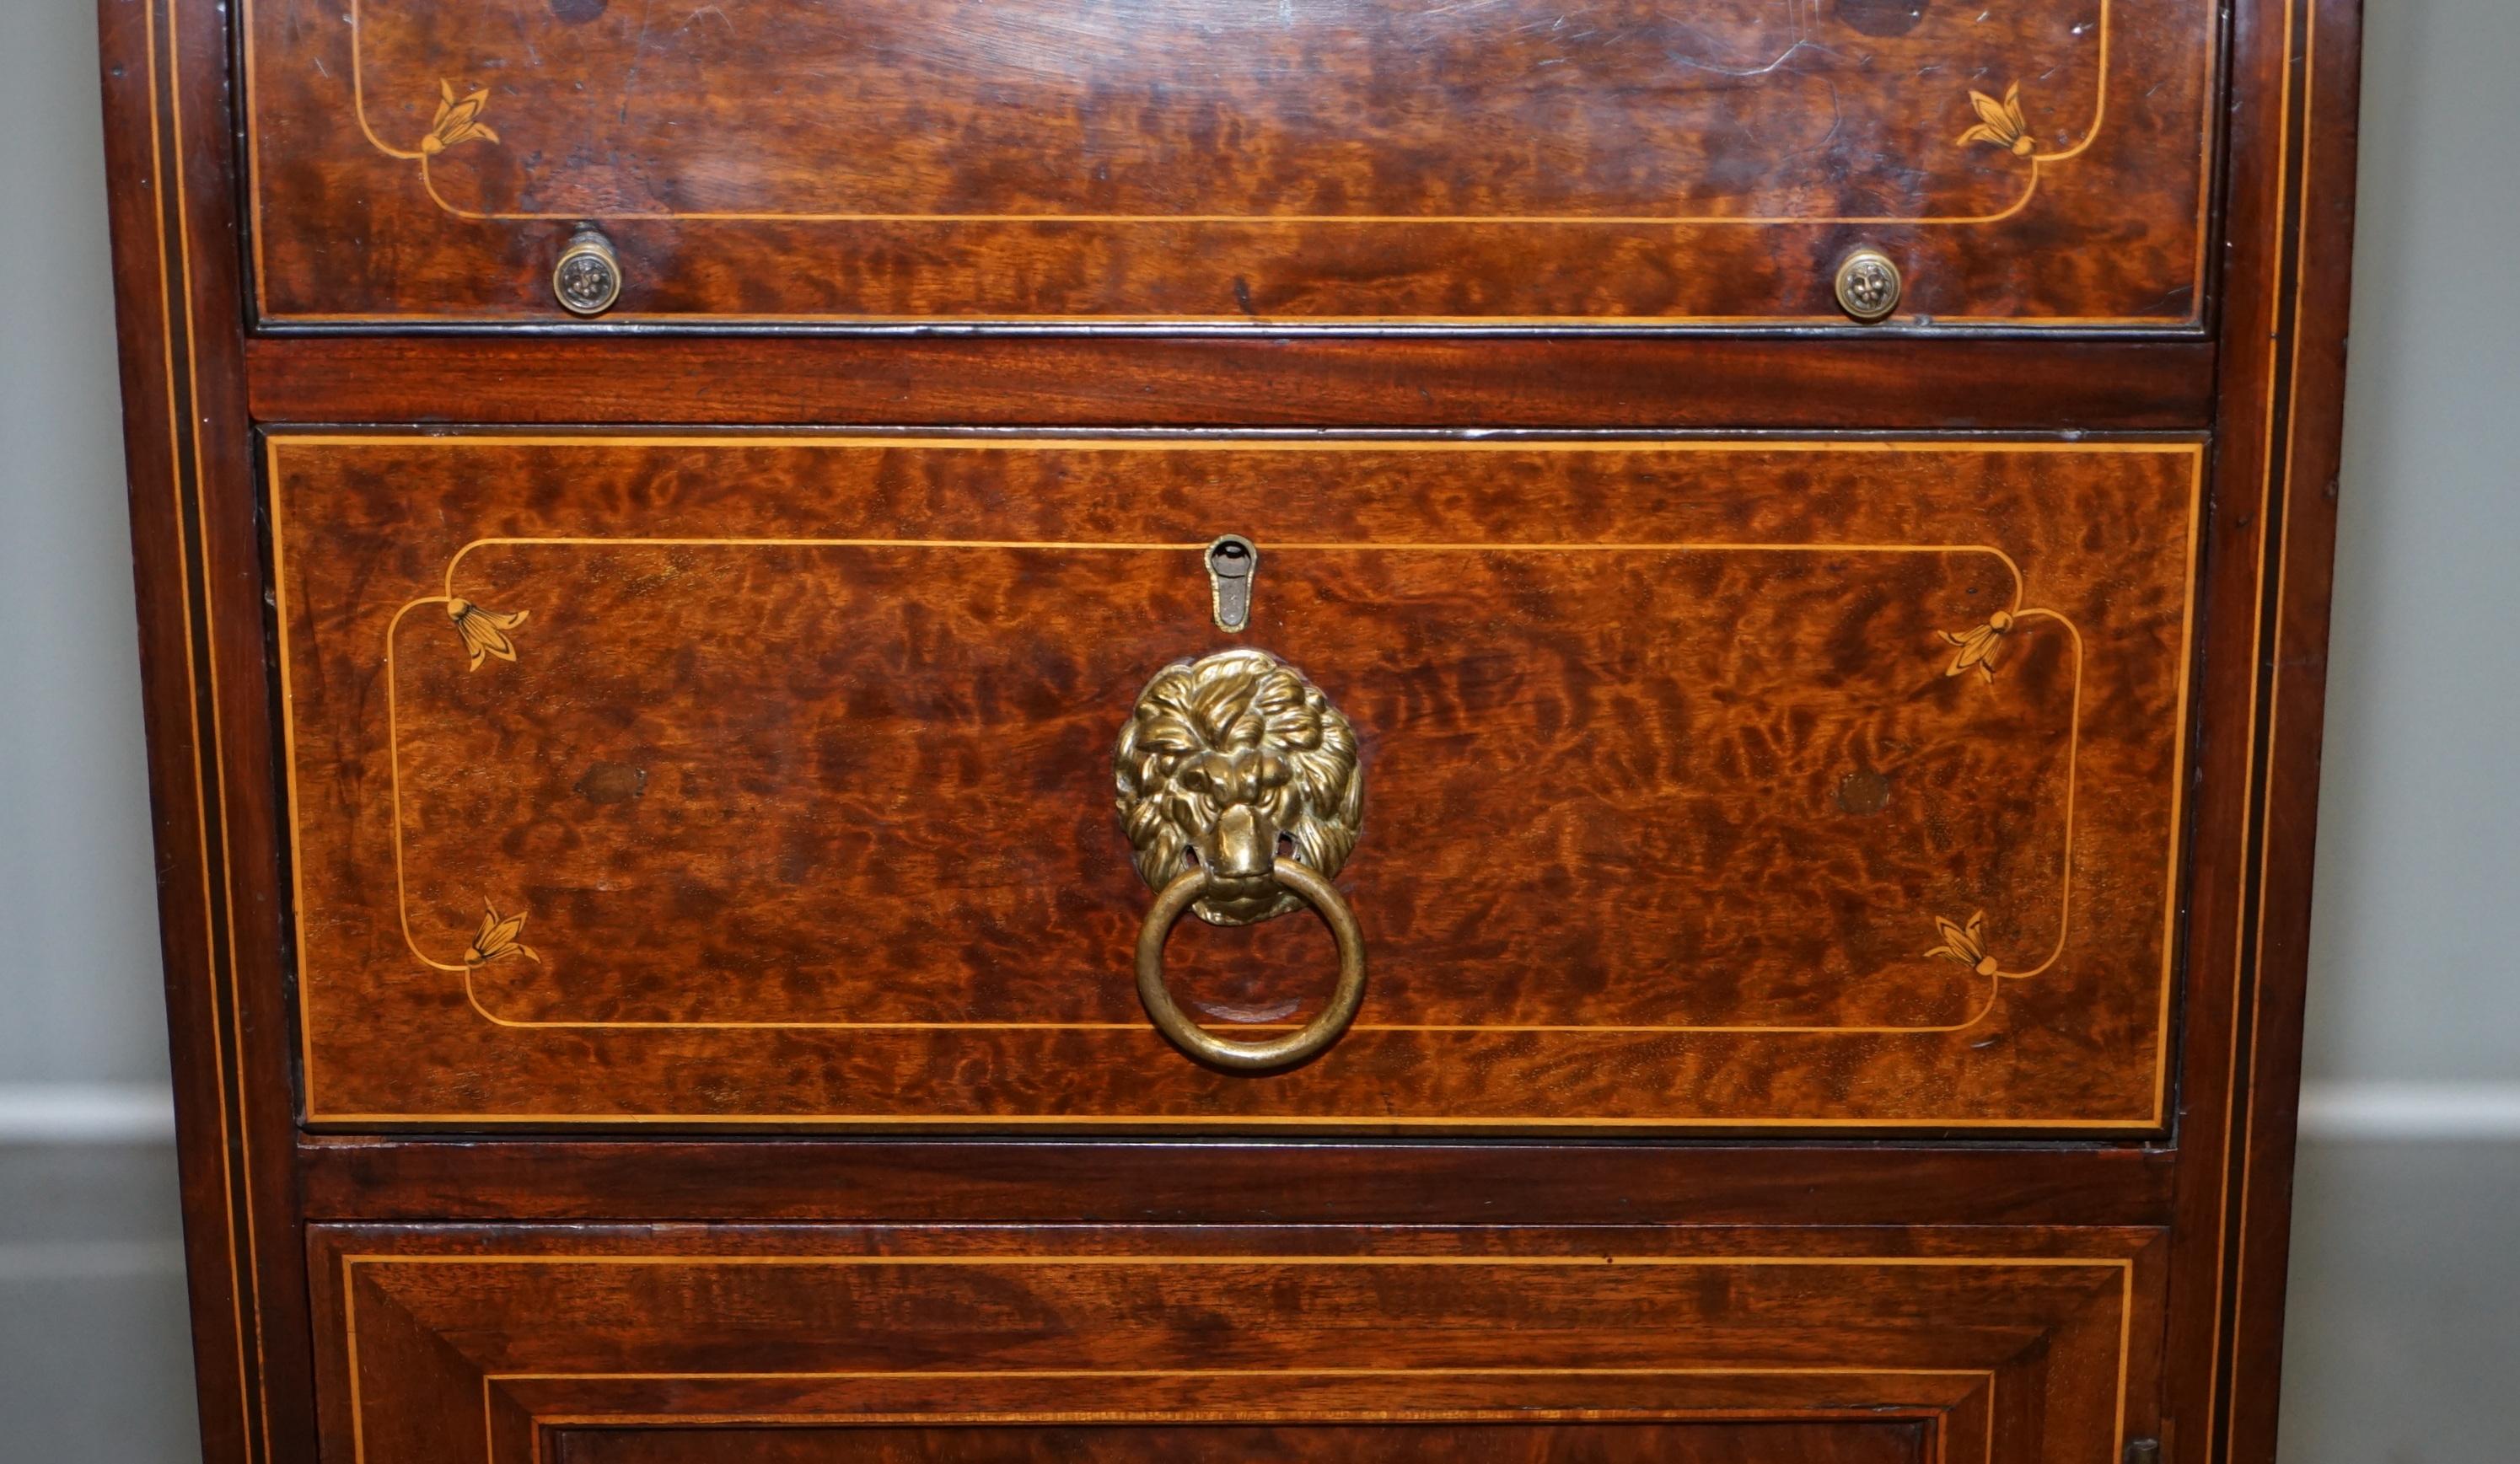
column 1589, row 1441
column 758, row 781
column 781, row 1345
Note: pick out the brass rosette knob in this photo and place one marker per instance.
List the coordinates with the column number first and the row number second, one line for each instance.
column 586, row 278
column 1222, row 760
column 1870, row 286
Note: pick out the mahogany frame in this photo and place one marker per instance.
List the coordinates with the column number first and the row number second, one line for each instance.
column 2268, row 383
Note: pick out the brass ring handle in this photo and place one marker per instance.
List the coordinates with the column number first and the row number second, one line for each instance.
column 1251, row 1057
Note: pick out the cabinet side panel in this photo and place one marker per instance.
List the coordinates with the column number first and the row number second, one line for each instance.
column 206, row 695
column 2289, row 221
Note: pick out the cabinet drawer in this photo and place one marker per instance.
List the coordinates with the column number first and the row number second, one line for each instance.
column 779, row 1346
column 2044, row 162
column 751, row 781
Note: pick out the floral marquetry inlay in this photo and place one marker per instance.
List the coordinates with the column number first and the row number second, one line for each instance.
column 2000, row 124
column 484, row 631
column 1978, row 645
column 458, row 121
column 497, row 938
column 1965, row 944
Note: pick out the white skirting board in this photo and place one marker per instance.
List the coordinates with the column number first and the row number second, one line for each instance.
column 2410, row 1110
column 86, row 1113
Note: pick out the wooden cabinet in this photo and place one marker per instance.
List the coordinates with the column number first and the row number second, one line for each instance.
column 918, row 730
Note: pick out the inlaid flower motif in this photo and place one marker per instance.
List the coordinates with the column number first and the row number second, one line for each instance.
column 2000, row 122
column 498, row 938
column 1965, row 944
column 458, row 120
column 1977, row 647
column 484, row 631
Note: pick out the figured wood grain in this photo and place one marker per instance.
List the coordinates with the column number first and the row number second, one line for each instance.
column 1126, row 160
column 472, row 1343
column 811, row 828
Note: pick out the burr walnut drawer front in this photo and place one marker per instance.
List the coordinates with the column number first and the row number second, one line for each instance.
column 2040, row 162
column 821, row 1345
column 866, row 780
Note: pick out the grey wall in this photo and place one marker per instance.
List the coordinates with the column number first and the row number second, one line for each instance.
column 75, row 855
column 94, row 1355
column 2417, row 842
column 2405, row 1346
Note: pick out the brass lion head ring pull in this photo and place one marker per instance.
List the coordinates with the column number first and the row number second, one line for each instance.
column 1312, row 1037
column 1223, row 760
